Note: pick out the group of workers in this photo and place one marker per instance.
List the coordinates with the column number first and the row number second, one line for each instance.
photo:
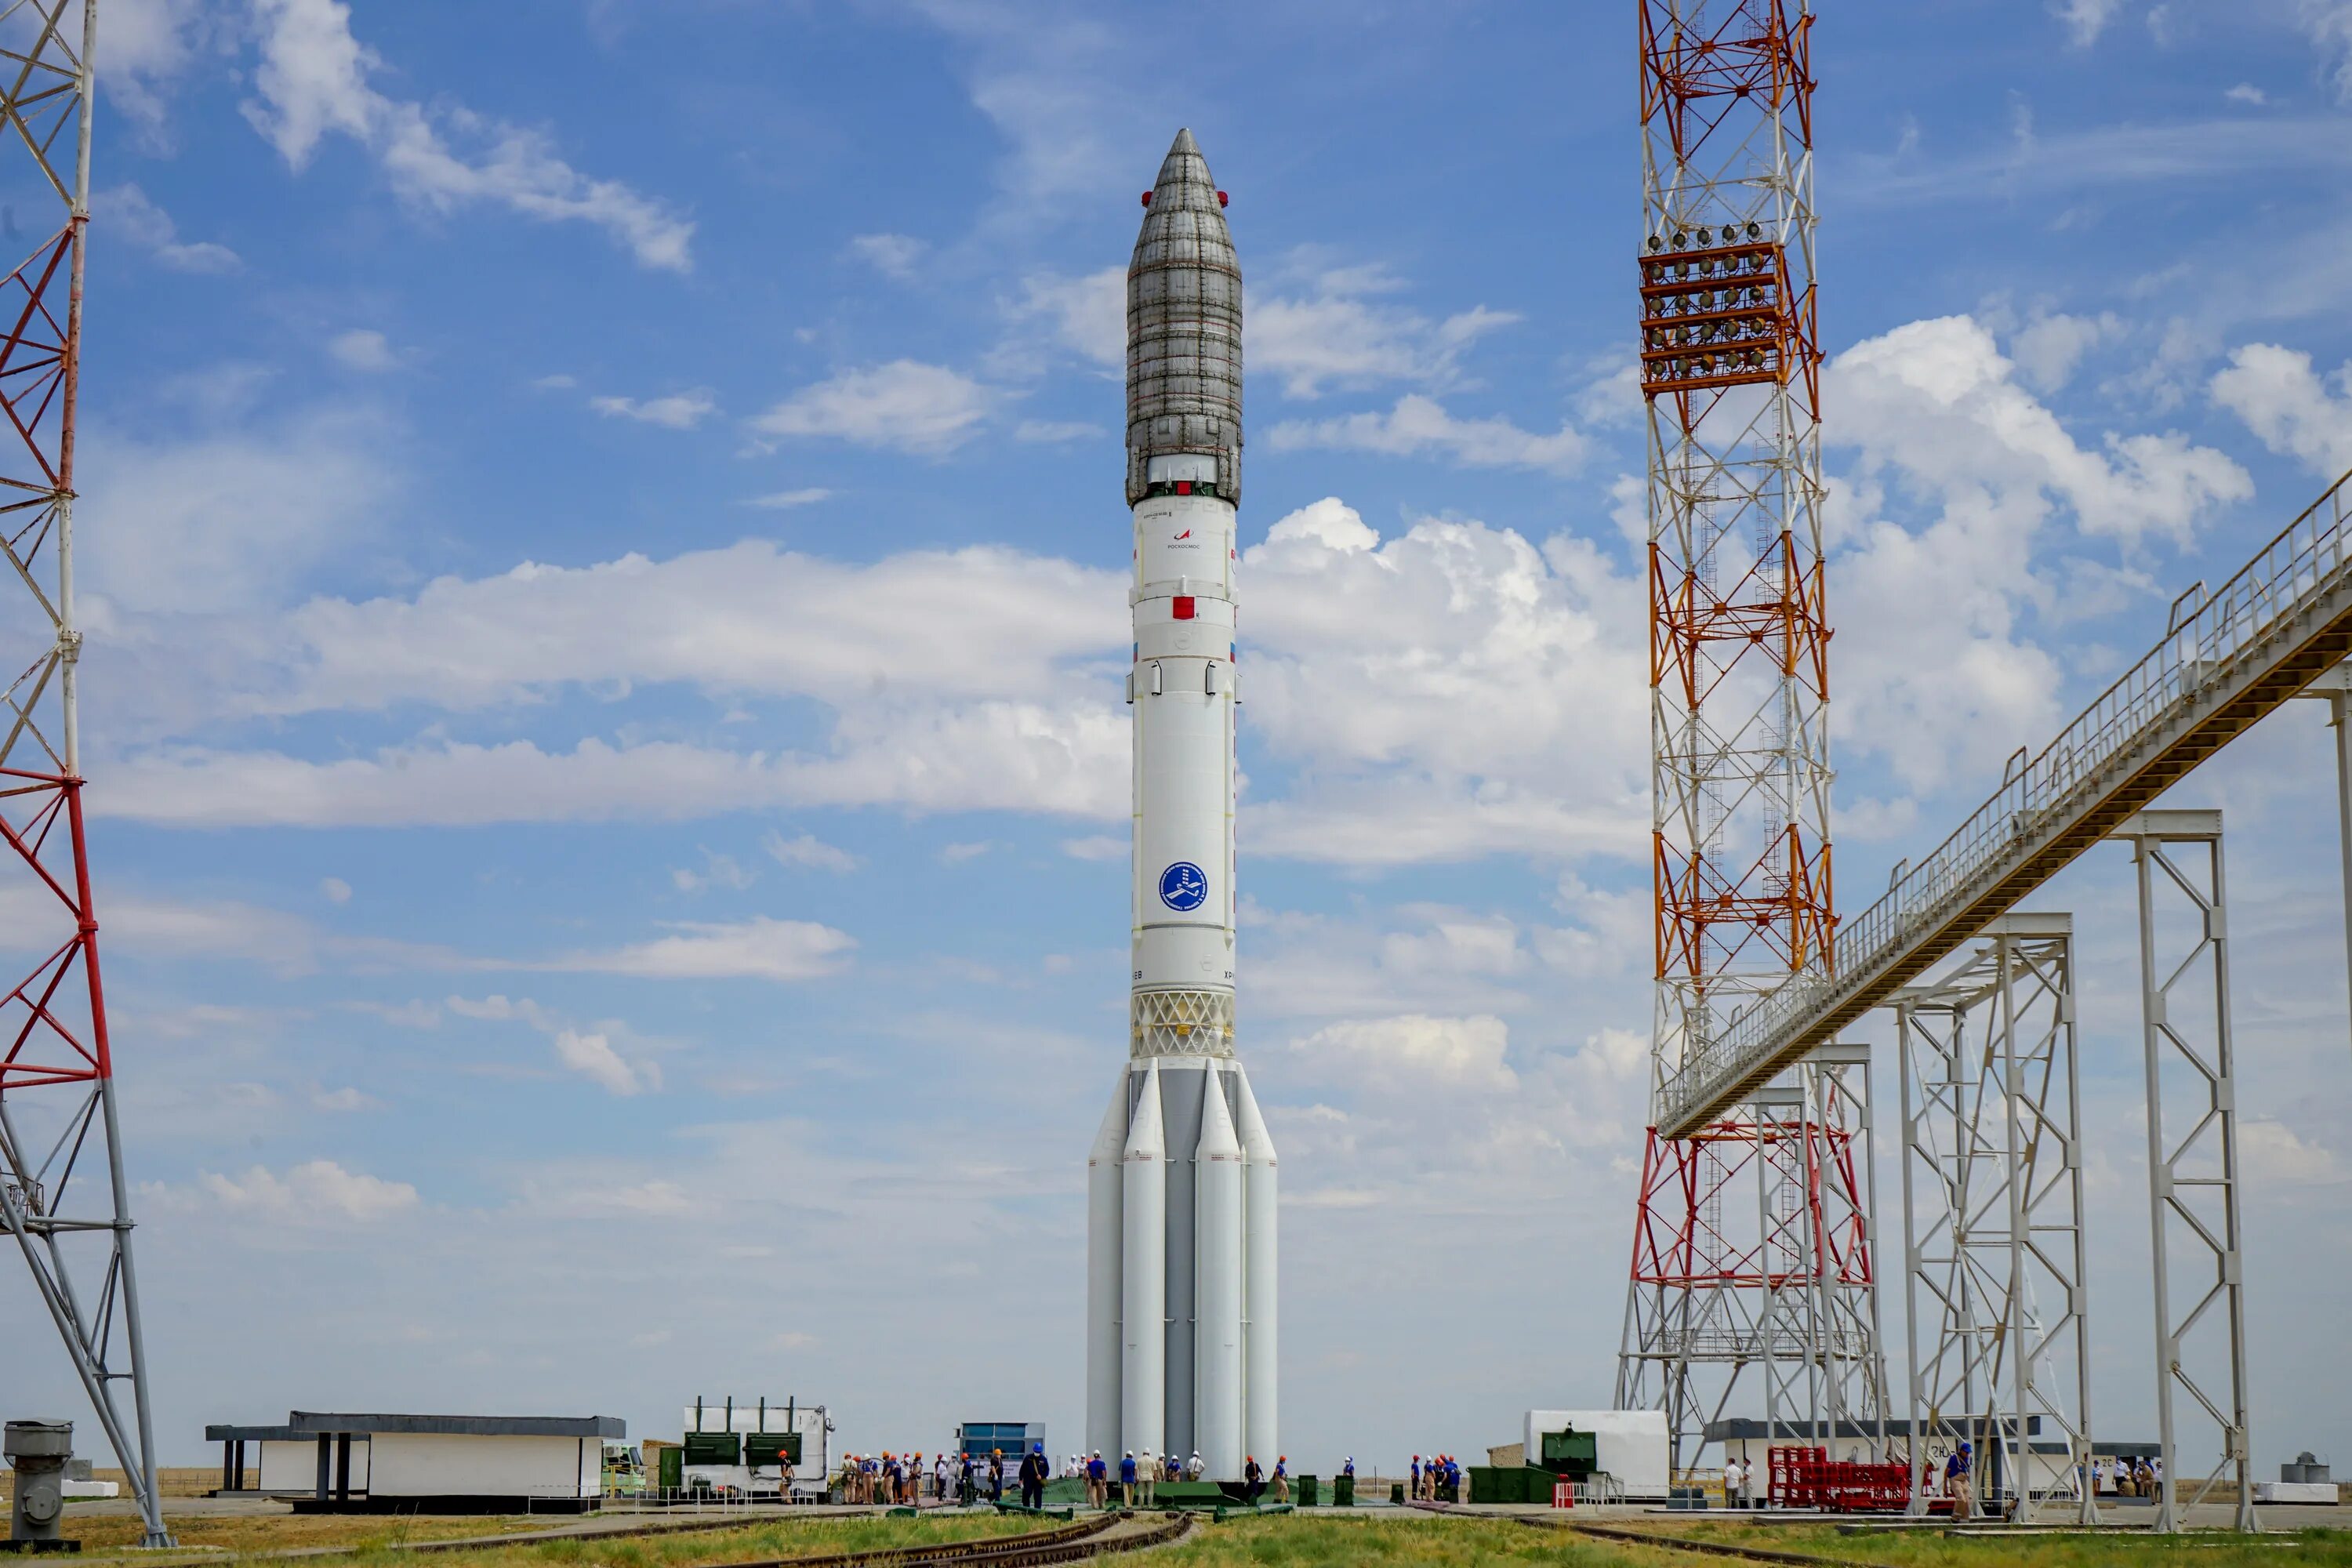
column 1438, row 1480
column 897, row 1480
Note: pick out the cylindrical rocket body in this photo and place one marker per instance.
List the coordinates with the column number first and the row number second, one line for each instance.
column 1261, row 1335
column 1143, row 1274
column 1106, row 1266
column 1217, row 1286
column 1180, row 1228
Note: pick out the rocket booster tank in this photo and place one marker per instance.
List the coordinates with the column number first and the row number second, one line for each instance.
column 1208, row 1223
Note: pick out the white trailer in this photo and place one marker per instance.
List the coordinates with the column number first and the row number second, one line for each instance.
column 762, row 1430
column 1631, row 1446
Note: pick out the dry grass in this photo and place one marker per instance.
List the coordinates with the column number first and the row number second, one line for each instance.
column 1932, row 1548
column 374, row 1538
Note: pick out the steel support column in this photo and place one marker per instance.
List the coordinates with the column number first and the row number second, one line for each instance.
column 63, row 1196
column 2192, row 1153
column 1993, row 1180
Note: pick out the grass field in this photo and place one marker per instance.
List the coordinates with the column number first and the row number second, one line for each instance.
column 1933, row 1549
column 1292, row 1541
column 372, row 1533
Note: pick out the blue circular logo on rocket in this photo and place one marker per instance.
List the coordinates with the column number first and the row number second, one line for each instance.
column 1182, row 887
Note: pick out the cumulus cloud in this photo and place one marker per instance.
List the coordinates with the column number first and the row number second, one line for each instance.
column 677, row 411
column 807, row 851
column 314, row 81
column 2085, row 19
column 2289, row 406
column 1421, row 426
column 1419, row 1051
column 903, row 405
column 760, row 948
column 1339, row 334
column 785, row 500
column 1945, row 432
column 594, row 1058
column 126, row 210
column 317, row 1192
column 893, row 254
column 1450, row 691
column 1086, row 314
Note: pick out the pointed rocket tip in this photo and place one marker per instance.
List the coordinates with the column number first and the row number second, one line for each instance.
column 1184, row 142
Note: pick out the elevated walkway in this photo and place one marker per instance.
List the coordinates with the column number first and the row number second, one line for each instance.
column 2228, row 659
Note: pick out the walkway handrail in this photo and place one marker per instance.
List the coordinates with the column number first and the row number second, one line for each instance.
column 2253, row 643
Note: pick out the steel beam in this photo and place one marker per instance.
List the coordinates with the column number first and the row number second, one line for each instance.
column 2192, row 1153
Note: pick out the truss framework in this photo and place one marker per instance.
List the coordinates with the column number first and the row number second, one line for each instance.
column 1992, row 1215
column 1777, row 1279
column 2192, row 1152
column 63, row 1198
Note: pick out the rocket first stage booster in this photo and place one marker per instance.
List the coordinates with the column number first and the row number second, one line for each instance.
column 1181, row 1333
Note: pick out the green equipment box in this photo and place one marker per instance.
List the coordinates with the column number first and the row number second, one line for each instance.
column 714, row 1448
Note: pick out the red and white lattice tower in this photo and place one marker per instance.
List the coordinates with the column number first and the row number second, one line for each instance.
column 1751, row 1244
column 63, row 1200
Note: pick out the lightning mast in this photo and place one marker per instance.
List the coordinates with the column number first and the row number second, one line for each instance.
column 63, row 1198
column 1724, row 1279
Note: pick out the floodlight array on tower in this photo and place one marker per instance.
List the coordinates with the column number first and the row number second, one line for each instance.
column 1752, row 1245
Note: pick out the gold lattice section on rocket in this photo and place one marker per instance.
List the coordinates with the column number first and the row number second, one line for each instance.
column 1181, row 1023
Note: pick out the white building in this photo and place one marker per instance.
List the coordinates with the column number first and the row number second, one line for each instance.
column 327, row 1462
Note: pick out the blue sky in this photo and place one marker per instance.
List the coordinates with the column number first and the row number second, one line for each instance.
column 603, row 547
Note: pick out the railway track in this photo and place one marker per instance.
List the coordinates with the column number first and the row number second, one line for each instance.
column 1074, row 1542
column 1706, row 1548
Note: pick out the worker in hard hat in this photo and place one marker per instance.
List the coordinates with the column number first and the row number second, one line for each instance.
column 1282, row 1478
column 1252, row 1480
column 1147, row 1477
column 1194, row 1468
column 1127, row 1480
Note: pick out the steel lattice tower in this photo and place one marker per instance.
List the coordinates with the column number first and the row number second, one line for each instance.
column 1752, row 1240
column 63, row 1198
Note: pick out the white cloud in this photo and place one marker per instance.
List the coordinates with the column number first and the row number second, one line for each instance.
column 1087, row 314
column 807, row 850
column 363, row 349
column 2085, row 19
column 1418, row 1051
column 893, row 254
column 335, row 890
column 957, row 854
column 594, row 1058
column 785, row 500
column 345, row 1099
column 1420, row 427
column 2273, row 1154
column 1448, row 692
column 718, row 871
column 501, row 1008
column 2288, row 406
column 1095, row 846
column 313, row 82
column 678, row 411
column 1333, row 336
column 227, row 519
column 126, row 210
column 2048, row 348
column 905, row 405
column 760, row 948
column 2328, row 24
column 1934, row 409
column 317, row 1192
column 146, row 43
column 2247, row 93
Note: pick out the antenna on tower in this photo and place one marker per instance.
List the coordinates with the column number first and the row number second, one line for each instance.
column 63, row 1198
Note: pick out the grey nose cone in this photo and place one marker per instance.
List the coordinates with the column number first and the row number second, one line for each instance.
column 1184, row 328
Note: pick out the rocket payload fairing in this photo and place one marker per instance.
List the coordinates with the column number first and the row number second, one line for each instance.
column 1181, row 1320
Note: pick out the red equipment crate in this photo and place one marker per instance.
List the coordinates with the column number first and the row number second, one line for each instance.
column 1804, row 1476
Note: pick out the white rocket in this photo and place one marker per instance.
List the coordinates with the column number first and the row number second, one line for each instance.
column 1180, row 1322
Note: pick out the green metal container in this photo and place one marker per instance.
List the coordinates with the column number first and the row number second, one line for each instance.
column 1343, row 1492
column 671, row 1469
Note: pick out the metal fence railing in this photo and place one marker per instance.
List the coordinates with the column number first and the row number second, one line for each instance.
column 2210, row 637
